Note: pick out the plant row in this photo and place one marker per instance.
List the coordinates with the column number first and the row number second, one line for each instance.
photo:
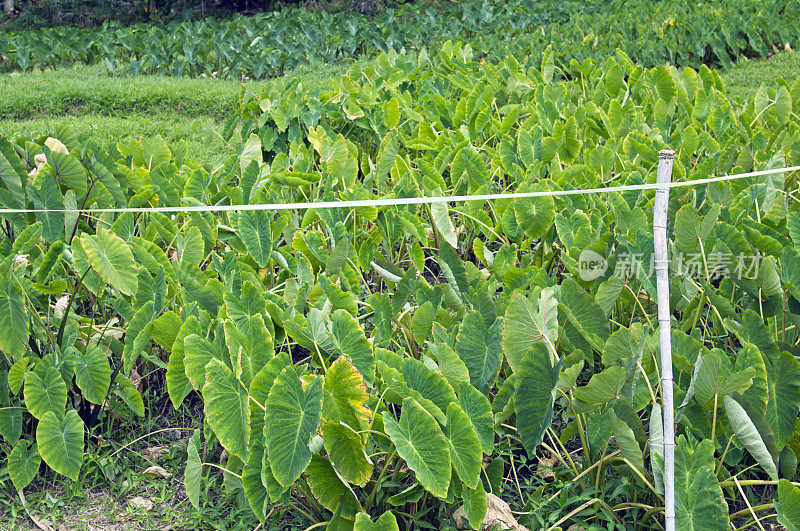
column 680, row 32
column 400, row 362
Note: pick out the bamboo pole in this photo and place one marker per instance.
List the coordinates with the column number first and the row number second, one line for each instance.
column 664, row 176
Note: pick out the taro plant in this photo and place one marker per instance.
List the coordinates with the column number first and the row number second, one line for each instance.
column 403, row 365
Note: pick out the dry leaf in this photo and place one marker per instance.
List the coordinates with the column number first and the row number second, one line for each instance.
column 157, row 472
column 498, row 516
column 140, row 503
column 545, row 468
column 154, row 452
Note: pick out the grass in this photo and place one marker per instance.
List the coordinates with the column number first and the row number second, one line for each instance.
column 113, row 108
column 743, row 78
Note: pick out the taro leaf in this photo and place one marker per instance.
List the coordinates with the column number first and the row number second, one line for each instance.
column 410, row 495
column 748, row 434
column 535, row 395
column 346, row 451
column 783, row 376
column 227, row 408
column 291, row 421
column 93, row 373
column 476, row 406
column 442, row 222
column 198, row 351
column 45, row 391
column 626, row 440
column 422, row 445
column 454, row 270
column 251, row 151
column 422, row 321
column 475, row 505
column 450, row 364
column 788, row 505
column 584, row 313
column 129, row 395
column 352, row 341
column 691, row 232
column 13, row 318
column 253, row 486
column 345, row 395
column 479, row 347
column 194, row 470
column 386, row 522
column 526, row 324
column 256, row 233
column 190, row 246
column 23, row 463
column 329, row 488
column 165, row 329
column 259, row 392
column 137, row 335
column 535, row 215
column 699, row 502
column 11, row 424
column 112, row 259
column 178, row 385
column 716, row 378
column 784, row 397
column 465, row 447
column 657, row 447
column 603, row 386
column 431, row 385
column 60, row 442
column 750, row 358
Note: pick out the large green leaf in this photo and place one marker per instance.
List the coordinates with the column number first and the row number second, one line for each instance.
column 347, row 454
column 137, row 335
column 93, row 373
column 291, row 421
column 748, row 434
column 112, row 259
column 788, row 505
column 351, row 340
column 421, row 443
column 478, row 345
column 430, row 385
column 699, row 503
column 227, row 408
column 23, row 463
column 256, row 233
column 60, row 442
column 527, row 323
column 13, row 318
column 477, row 407
column 626, row 440
column 45, row 391
column 329, row 488
column 475, row 504
column 192, row 476
column 535, row 395
column 465, row 447
column 584, row 313
column 345, row 395
column 386, row 522
column 178, row 385
column 254, row 488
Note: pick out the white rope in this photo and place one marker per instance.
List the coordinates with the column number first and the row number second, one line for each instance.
column 402, row 200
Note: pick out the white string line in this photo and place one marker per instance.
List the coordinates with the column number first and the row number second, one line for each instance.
column 402, row 200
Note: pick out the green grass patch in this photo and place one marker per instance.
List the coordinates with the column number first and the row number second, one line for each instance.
column 111, row 108
column 743, row 78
